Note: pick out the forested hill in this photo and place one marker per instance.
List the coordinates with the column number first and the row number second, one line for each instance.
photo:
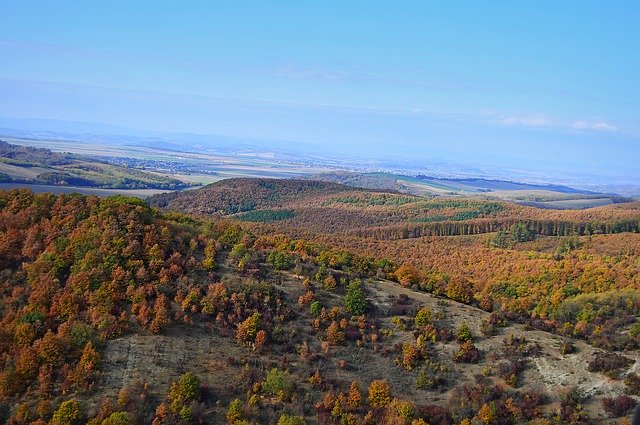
column 322, row 206
column 550, row 266
column 232, row 196
column 24, row 164
column 115, row 313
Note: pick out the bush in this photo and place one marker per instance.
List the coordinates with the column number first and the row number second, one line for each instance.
column 488, row 327
column 567, row 347
column 632, row 382
column 468, row 353
column 618, row 406
column 432, row 376
column 277, row 383
column 235, row 412
column 609, row 363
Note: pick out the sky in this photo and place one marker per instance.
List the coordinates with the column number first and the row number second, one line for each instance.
column 537, row 83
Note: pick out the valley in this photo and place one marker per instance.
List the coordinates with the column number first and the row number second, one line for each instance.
column 303, row 300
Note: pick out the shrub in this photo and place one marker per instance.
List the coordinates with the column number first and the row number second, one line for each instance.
column 618, row 406
column 567, row 347
column 432, row 376
column 468, row 353
column 609, row 363
column 334, row 335
column 277, row 382
column 632, row 382
column 571, row 408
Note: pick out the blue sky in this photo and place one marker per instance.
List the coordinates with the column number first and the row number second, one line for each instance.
column 532, row 81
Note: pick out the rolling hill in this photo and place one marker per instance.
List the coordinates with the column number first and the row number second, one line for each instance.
column 22, row 164
column 278, row 301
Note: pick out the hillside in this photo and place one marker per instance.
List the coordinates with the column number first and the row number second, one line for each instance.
column 328, row 207
column 573, row 272
column 22, row 164
column 115, row 313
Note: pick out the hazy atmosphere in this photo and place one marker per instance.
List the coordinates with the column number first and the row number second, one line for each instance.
column 547, row 87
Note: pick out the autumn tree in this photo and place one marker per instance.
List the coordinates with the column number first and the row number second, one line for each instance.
column 379, row 393
column 406, row 274
column 248, row 329
column 161, row 315
column 68, row 413
column 423, row 317
column 235, row 412
column 354, row 398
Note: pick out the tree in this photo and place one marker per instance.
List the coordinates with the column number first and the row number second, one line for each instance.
column 379, row 393
column 406, row 274
column 68, row 413
column 248, row 329
column 355, row 301
column 261, row 340
column 423, row 317
column 161, row 317
column 315, row 308
column 464, row 333
column 279, row 260
column 90, row 357
column 185, row 390
column 500, row 240
column 235, row 412
column 520, row 233
column 354, row 398
column 119, row 418
column 277, row 383
column 291, row 420
column 459, row 290
column 209, row 261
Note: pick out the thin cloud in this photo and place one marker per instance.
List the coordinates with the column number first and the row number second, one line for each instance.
column 597, row 126
column 528, row 121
